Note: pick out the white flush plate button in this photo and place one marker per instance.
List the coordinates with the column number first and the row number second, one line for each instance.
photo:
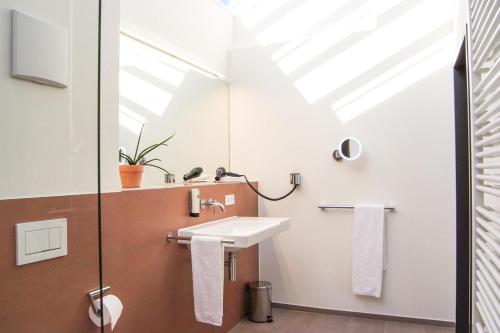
column 37, row 241
column 54, row 238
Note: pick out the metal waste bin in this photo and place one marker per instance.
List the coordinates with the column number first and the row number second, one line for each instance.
column 260, row 301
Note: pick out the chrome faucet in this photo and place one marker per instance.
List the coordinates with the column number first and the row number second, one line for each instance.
column 212, row 203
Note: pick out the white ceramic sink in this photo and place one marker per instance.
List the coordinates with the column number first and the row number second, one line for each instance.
column 244, row 231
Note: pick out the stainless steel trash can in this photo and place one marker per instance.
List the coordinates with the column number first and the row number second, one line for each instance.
column 260, row 301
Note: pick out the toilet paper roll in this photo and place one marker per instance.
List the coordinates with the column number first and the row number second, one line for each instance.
column 112, row 311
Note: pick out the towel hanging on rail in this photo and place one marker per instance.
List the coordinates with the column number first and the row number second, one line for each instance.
column 207, row 258
column 368, row 250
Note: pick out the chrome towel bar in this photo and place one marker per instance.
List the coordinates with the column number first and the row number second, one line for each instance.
column 349, row 206
column 171, row 237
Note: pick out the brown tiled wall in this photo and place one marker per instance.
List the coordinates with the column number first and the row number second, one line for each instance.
column 150, row 276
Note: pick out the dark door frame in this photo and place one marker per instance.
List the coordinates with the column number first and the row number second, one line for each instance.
column 463, row 193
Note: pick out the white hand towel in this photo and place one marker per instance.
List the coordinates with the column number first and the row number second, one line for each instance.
column 207, row 257
column 368, row 250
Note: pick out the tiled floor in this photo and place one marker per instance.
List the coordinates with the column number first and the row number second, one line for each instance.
column 289, row 321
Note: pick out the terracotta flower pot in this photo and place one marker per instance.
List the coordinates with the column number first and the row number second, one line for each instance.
column 131, row 175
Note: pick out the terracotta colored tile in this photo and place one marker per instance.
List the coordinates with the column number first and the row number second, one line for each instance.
column 144, row 218
column 142, row 275
column 81, row 213
column 151, row 277
column 54, row 302
column 154, row 277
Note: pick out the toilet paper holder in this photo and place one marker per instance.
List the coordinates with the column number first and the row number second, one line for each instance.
column 94, row 295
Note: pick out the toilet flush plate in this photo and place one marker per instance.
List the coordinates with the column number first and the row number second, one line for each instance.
column 41, row 240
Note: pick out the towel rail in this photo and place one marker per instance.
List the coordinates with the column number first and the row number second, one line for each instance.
column 349, row 206
column 171, row 237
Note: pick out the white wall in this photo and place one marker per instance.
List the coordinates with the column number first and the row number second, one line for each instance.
column 199, row 30
column 408, row 137
column 49, row 135
column 110, row 63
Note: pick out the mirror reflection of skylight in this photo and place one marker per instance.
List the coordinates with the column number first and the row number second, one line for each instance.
column 148, row 79
column 130, row 119
column 163, row 72
column 131, row 46
column 144, row 93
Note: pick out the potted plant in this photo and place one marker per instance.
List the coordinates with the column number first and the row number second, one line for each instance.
column 131, row 173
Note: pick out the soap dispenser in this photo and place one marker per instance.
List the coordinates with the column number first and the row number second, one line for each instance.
column 194, row 202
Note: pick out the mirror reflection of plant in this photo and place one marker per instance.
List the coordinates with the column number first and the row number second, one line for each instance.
column 139, row 158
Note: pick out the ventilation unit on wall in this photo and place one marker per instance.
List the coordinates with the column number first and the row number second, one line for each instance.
column 39, row 51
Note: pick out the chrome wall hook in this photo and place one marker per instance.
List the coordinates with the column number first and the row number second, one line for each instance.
column 93, row 296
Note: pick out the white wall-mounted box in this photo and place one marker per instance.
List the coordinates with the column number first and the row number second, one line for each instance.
column 39, row 51
column 41, row 240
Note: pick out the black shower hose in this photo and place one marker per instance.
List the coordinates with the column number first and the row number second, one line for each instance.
column 265, row 196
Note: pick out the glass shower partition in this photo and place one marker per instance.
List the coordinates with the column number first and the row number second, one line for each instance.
column 49, row 194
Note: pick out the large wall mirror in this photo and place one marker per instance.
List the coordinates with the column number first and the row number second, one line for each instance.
column 170, row 96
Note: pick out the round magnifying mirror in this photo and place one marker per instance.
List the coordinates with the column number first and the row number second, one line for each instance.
column 349, row 149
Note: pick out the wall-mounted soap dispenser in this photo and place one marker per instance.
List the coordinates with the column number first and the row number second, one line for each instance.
column 194, row 202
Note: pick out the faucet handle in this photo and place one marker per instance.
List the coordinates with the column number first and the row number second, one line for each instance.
column 210, row 202
column 204, row 203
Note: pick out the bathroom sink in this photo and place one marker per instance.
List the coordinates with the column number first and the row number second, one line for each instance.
column 244, row 231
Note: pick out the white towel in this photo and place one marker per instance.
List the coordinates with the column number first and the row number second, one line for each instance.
column 368, row 261
column 207, row 257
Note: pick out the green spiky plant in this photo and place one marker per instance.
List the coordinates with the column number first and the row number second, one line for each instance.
column 139, row 158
